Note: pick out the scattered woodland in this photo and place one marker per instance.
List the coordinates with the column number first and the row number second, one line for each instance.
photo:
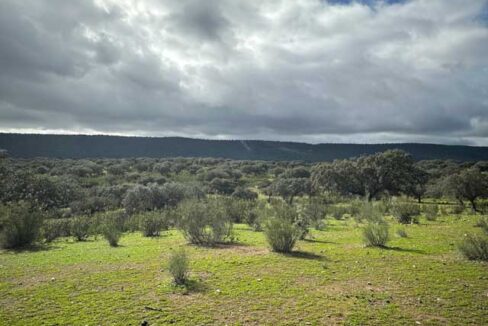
column 379, row 238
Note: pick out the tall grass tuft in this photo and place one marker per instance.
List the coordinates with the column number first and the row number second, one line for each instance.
column 376, row 234
column 178, row 266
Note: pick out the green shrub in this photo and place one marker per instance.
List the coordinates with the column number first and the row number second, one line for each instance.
column 244, row 193
column 338, row 212
column 430, row 212
column 457, row 209
column 204, row 222
column 282, row 230
column 406, row 213
column 237, row 210
column 402, row 233
column 376, row 234
column 20, row 225
column 385, row 205
column 483, row 223
column 290, row 213
column 56, row 228
column 483, row 207
column 444, row 210
column 80, row 228
column 474, row 247
column 314, row 212
column 111, row 229
column 320, row 225
column 255, row 214
column 355, row 207
column 151, row 223
column 178, row 266
column 367, row 211
column 281, row 234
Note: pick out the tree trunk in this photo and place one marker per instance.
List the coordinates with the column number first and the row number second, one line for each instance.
column 473, row 205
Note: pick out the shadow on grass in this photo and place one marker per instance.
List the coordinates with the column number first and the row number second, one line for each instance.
column 225, row 245
column 117, row 246
column 191, row 286
column 306, row 255
column 319, row 241
column 196, row 286
column 33, row 248
column 415, row 251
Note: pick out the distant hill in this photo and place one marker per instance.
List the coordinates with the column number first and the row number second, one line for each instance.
column 83, row 146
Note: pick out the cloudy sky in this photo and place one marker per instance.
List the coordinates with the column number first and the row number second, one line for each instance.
column 305, row 70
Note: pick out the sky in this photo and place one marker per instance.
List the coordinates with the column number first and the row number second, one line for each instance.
column 316, row 71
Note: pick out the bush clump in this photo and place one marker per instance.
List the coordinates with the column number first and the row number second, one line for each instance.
column 314, row 212
column 402, row 233
column 178, row 266
column 20, row 225
column 80, row 228
column 457, row 209
column 56, row 228
column 151, row 223
column 204, row 222
column 338, row 212
column 238, row 209
column 431, row 212
column 253, row 216
column 111, row 229
column 406, row 213
column 474, row 247
column 369, row 212
column 281, row 230
column 483, row 223
column 376, row 234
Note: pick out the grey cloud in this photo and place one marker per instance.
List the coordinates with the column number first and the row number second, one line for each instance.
column 305, row 71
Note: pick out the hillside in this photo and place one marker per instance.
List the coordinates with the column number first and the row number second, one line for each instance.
column 83, row 146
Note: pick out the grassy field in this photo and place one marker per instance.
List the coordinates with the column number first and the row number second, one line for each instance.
column 330, row 279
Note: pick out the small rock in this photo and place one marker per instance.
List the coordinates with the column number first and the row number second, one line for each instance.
column 417, row 322
column 369, row 283
column 259, row 279
column 53, row 279
column 218, row 291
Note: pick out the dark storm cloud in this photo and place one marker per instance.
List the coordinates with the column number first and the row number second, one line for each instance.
column 304, row 70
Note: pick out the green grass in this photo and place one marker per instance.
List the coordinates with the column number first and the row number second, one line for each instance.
column 332, row 279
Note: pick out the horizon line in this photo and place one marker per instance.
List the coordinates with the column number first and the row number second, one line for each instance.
column 236, row 139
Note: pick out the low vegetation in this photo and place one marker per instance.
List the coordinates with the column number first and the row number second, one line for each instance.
column 268, row 241
column 376, row 234
column 204, row 222
column 474, row 247
column 178, row 266
column 20, row 225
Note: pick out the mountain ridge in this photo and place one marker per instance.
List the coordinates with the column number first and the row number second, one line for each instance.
column 108, row 146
